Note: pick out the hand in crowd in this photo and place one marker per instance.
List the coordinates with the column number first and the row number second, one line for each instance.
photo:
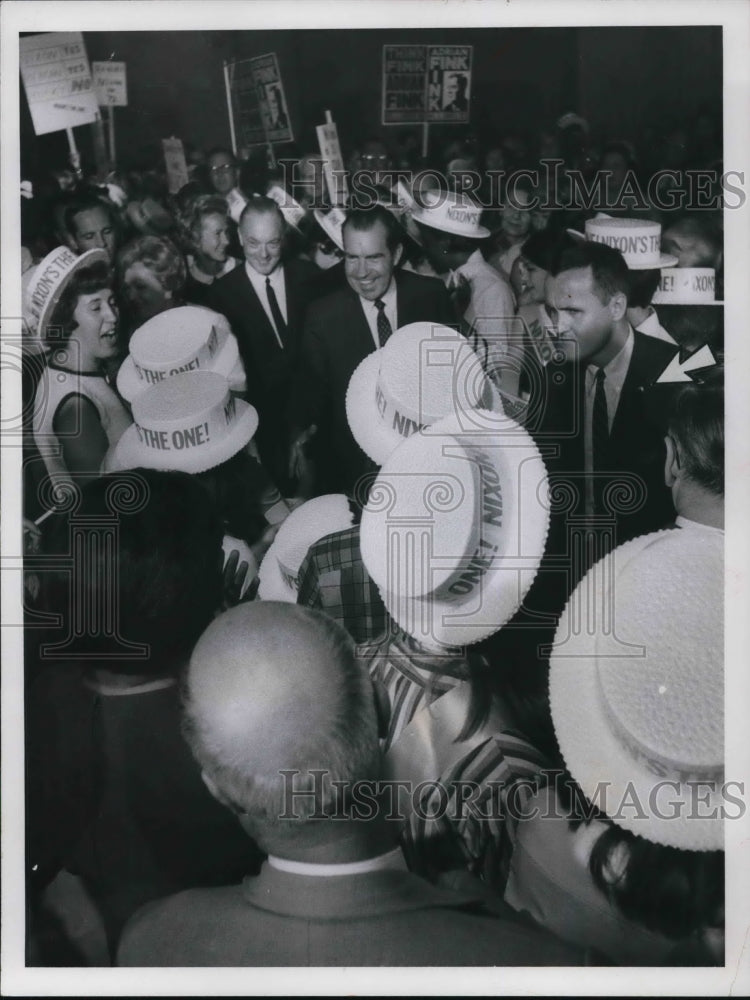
column 299, row 463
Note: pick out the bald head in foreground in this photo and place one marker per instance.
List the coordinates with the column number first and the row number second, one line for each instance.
column 284, row 724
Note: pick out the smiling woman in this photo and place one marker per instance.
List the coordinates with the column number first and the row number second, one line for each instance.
column 77, row 415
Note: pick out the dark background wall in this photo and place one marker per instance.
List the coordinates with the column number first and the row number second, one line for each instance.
column 624, row 80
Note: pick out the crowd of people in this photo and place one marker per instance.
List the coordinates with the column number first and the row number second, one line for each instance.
column 330, row 506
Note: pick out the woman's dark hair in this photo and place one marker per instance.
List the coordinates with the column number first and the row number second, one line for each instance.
column 236, row 486
column 84, row 281
column 670, row 891
column 146, row 569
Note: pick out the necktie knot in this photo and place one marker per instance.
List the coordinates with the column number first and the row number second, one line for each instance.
column 380, row 305
column 600, row 377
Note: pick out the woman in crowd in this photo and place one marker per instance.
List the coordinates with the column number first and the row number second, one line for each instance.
column 152, row 276
column 115, row 798
column 206, row 233
column 515, row 226
column 77, row 415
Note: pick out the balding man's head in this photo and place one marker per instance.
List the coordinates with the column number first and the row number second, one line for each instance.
column 272, row 688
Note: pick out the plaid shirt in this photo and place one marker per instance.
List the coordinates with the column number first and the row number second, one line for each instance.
column 462, row 831
column 333, row 579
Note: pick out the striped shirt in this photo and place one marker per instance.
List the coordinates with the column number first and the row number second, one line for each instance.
column 458, row 818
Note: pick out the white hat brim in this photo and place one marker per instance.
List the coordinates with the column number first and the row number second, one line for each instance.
column 273, row 586
column 526, row 524
column 665, row 260
column 375, row 438
column 590, row 749
column 225, row 363
column 130, row 453
column 476, row 234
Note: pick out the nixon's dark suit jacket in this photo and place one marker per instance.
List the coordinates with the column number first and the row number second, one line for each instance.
column 336, row 338
column 268, row 367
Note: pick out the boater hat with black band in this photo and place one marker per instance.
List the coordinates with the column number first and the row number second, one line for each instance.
column 638, row 700
column 423, row 373
column 48, row 282
column 455, row 526
column 184, row 339
column 188, row 423
column 304, row 527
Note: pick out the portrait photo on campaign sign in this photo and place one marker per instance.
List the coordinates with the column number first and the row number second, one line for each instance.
column 374, row 567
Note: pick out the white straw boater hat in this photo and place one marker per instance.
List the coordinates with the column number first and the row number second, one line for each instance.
column 189, row 423
column 637, row 240
column 638, row 699
column 424, row 372
column 450, row 212
column 49, row 280
column 187, row 338
column 687, row 286
column 332, row 224
column 455, row 526
column 305, row 526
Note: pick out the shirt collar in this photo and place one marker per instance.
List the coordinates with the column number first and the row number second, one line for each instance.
column 686, row 522
column 471, row 265
column 259, row 280
column 617, row 369
column 391, row 861
column 389, row 297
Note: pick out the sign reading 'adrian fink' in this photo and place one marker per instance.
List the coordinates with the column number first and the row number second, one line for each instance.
column 258, row 101
column 426, row 83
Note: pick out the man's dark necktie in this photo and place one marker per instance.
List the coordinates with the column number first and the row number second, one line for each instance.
column 384, row 326
column 278, row 319
column 599, row 441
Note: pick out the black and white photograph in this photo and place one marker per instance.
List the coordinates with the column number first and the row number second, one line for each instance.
column 375, row 574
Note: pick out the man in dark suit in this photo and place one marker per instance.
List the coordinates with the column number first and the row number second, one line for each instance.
column 346, row 326
column 265, row 302
column 604, row 451
column 284, row 723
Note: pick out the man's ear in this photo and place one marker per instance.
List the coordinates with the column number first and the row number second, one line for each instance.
column 397, row 254
column 618, row 305
column 382, row 708
column 672, row 462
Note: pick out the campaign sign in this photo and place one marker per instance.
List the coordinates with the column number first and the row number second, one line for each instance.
column 449, row 83
column 57, row 80
column 110, row 84
column 243, row 99
column 404, row 75
column 174, row 160
column 333, row 162
column 426, row 83
column 273, row 108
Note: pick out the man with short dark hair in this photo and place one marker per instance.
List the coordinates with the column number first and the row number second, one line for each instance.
column 609, row 435
column 284, row 723
column 265, row 302
column 90, row 224
column 608, row 454
column 346, row 326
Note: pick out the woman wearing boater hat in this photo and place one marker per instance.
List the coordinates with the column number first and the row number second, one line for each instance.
column 77, row 414
column 192, row 422
column 453, row 534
